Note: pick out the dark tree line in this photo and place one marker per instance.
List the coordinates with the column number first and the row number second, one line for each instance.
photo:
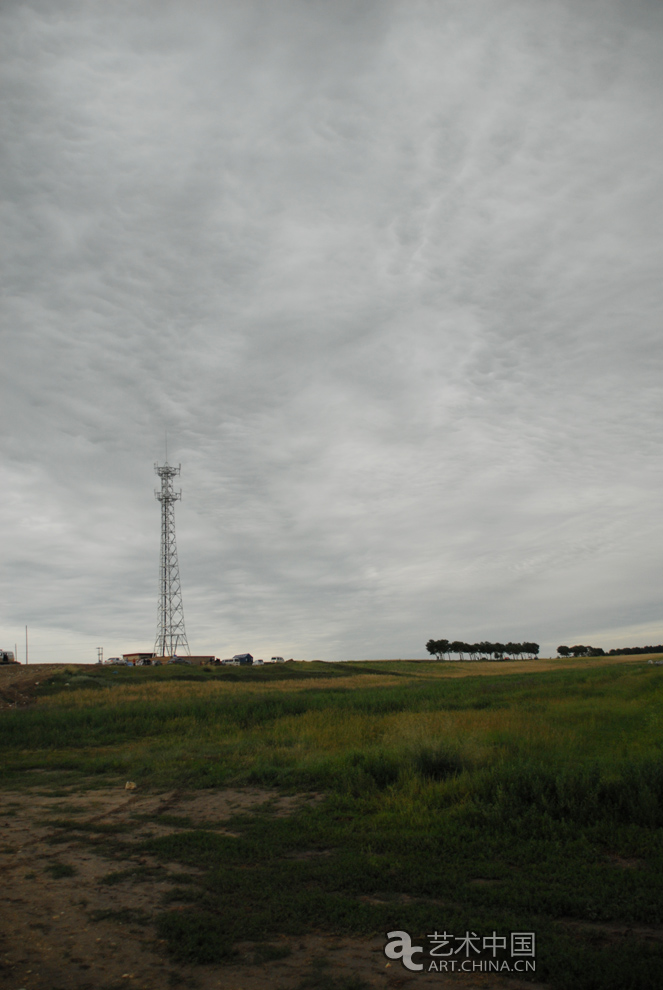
column 444, row 648
column 580, row 651
column 597, row 651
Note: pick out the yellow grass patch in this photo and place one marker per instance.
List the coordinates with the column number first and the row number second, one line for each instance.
column 204, row 690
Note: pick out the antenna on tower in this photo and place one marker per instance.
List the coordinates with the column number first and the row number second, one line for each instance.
column 171, row 635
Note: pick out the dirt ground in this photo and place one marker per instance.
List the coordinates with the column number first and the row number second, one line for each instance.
column 75, row 932
column 17, row 680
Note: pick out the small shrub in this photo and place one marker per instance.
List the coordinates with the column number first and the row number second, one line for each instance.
column 269, row 953
column 195, row 937
column 59, row 870
column 379, row 767
column 437, row 763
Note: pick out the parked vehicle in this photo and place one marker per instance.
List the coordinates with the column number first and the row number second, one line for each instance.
column 278, row 660
column 182, row 660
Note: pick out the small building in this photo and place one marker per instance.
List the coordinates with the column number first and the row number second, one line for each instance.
column 136, row 657
column 243, row 658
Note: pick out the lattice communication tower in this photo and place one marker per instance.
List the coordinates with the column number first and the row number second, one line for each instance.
column 171, row 635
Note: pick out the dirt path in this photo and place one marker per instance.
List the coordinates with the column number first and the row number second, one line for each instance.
column 17, row 681
column 77, row 912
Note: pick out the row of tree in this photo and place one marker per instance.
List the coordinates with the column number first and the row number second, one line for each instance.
column 443, row 649
column 597, row 651
column 580, row 651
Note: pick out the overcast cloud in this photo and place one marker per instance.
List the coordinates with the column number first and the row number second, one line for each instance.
column 389, row 274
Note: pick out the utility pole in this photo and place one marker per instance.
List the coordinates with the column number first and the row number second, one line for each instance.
column 100, row 654
column 26, row 646
column 171, row 635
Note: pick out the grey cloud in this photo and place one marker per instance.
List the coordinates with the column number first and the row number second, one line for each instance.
column 389, row 276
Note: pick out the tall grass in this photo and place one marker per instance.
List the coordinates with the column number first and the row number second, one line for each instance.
column 317, row 732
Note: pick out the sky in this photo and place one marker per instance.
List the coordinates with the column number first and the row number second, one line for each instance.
column 388, row 275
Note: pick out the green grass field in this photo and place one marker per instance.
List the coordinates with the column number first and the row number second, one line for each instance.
column 519, row 801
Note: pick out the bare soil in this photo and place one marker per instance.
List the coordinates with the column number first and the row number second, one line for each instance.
column 77, row 932
column 17, row 681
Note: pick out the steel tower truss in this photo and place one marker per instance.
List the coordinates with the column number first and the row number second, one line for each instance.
column 171, row 635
